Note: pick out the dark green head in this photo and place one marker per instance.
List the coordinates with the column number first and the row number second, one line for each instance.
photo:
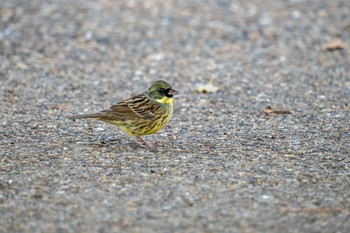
column 161, row 91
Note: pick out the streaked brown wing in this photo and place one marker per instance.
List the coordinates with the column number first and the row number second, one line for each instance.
column 135, row 107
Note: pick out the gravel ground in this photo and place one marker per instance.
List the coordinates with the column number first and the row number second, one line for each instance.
column 268, row 152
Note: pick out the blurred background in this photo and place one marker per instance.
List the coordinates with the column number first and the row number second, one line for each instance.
column 265, row 151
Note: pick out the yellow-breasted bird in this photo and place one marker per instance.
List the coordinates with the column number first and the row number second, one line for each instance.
column 143, row 114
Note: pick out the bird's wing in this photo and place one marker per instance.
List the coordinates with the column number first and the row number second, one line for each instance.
column 135, row 107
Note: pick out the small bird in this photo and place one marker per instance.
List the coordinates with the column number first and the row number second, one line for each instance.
column 143, row 114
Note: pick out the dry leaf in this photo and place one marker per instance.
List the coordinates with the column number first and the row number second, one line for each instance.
column 59, row 106
column 209, row 87
column 269, row 111
column 335, row 44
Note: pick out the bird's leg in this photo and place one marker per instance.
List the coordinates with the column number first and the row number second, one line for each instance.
column 144, row 142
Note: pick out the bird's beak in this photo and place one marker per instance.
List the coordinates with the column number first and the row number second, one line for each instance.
column 172, row 92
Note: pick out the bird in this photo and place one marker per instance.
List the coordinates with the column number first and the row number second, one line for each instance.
column 140, row 115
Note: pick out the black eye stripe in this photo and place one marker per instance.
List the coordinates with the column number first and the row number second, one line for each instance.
column 164, row 91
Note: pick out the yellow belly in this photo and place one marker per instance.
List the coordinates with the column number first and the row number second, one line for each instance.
column 142, row 126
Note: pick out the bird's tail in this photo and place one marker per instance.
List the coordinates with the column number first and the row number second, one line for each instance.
column 85, row 116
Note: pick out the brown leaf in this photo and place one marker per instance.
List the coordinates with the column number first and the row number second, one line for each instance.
column 268, row 110
column 59, row 106
column 335, row 44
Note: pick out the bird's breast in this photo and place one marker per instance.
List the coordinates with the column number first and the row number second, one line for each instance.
column 165, row 100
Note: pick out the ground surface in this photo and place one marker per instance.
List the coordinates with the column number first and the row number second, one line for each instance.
column 222, row 164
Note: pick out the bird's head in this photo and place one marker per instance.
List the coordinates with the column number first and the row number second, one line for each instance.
column 161, row 92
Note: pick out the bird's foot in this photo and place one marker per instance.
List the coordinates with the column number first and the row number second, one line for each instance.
column 144, row 143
